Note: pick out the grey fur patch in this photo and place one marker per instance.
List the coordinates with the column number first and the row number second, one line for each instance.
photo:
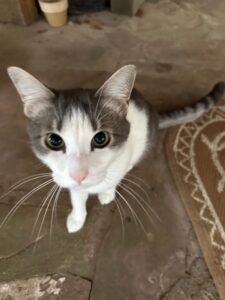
column 39, row 127
column 194, row 111
column 101, row 116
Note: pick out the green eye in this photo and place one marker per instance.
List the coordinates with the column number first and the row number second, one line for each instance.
column 54, row 142
column 101, row 139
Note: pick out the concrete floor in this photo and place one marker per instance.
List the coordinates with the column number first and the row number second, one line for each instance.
column 178, row 47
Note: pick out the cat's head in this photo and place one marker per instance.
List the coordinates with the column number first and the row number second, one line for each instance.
column 77, row 133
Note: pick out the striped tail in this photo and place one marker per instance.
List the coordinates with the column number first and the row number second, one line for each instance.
column 191, row 112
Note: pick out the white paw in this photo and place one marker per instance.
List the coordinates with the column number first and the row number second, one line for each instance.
column 73, row 224
column 106, row 198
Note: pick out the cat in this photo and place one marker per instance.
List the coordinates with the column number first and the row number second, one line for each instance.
column 90, row 139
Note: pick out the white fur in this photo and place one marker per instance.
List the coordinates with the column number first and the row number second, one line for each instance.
column 106, row 166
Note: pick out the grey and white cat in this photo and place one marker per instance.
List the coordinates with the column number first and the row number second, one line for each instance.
column 90, row 139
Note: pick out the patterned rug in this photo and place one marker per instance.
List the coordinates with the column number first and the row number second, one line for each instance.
column 196, row 155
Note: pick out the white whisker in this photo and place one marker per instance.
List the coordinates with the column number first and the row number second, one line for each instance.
column 140, row 179
column 135, row 216
column 22, row 200
column 46, row 211
column 146, row 195
column 120, row 210
column 54, row 210
column 25, row 180
column 135, row 197
column 40, row 208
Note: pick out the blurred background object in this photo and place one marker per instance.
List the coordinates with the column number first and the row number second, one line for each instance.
column 78, row 7
column 25, row 12
column 20, row 12
column 55, row 11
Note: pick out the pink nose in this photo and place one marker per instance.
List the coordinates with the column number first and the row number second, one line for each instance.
column 79, row 176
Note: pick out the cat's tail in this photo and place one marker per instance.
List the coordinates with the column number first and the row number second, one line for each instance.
column 191, row 112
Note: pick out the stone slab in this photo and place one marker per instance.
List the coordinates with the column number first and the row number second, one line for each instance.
column 54, row 287
column 177, row 63
column 148, row 265
column 56, row 250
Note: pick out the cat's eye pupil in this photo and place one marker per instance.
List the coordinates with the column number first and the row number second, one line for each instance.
column 54, row 141
column 101, row 139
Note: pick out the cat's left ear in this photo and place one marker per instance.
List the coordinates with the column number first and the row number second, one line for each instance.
column 35, row 96
column 119, row 86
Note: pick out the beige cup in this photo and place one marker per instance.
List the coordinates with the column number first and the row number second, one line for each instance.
column 55, row 12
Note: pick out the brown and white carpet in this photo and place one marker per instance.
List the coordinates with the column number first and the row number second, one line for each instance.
column 196, row 155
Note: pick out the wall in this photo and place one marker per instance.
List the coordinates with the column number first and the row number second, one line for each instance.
column 21, row 12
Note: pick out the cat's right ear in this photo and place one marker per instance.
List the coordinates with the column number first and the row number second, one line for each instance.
column 120, row 84
column 35, row 96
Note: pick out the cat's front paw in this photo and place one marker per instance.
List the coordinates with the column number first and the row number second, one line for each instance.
column 73, row 224
column 106, row 198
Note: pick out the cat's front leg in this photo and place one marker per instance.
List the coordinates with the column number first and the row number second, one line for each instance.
column 107, row 197
column 77, row 217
